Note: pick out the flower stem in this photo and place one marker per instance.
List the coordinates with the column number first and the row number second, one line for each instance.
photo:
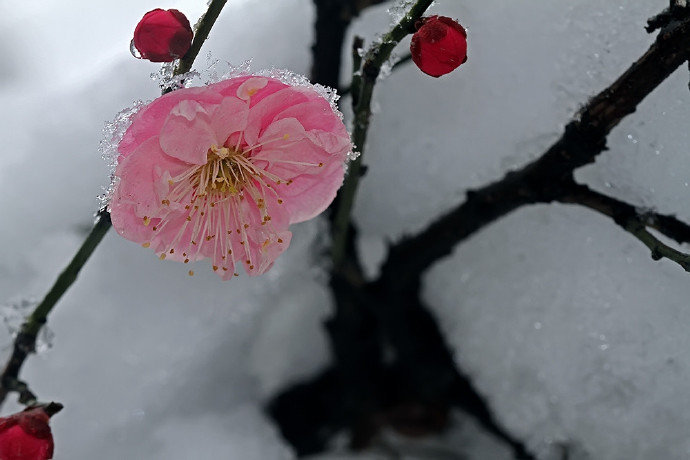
column 203, row 28
column 25, row 341
column 361, row 99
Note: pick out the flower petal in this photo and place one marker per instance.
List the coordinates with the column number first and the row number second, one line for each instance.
column 228, row 118
column 141, row 177
column 149, row 120
column 308, row 195
column 187, row 133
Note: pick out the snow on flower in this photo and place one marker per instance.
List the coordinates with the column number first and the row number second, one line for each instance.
column 222, row 171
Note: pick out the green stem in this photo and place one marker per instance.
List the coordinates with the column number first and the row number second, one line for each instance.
column 362, row 94
column 25, row 342
column 38, row 317
column 203, row 28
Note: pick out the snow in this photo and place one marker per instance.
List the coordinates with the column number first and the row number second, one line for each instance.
column 575, row 336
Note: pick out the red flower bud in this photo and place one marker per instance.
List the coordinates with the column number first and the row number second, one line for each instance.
column 163, row 36
column 439, row 45
column 26, row 435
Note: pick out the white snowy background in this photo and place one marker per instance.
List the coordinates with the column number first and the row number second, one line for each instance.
column 574, row 335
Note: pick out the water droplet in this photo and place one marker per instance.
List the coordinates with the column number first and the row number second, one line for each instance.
column 133, row 49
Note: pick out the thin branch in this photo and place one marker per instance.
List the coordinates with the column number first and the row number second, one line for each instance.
column 375, row 57
column 636, row 223
column 550, row 176
column 402, row 61
column 25, row 341
column 203, row 28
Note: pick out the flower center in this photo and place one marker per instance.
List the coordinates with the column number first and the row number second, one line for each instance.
column 226, row 171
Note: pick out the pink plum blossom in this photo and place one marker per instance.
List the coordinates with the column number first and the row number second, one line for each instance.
column 222, row 171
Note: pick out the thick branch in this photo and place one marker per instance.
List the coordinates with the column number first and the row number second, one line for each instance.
column 547, row 178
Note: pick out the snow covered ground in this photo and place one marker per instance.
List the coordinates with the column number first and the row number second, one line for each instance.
column 577, row 339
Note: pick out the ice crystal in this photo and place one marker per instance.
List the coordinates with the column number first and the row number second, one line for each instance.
column 14, row 314
column 399, row 10
column 387, row 67
column 166, row 77
column 112, row 135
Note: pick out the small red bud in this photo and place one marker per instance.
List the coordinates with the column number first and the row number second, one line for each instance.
column 26, row 435
column 439, row 45
column 163, row 35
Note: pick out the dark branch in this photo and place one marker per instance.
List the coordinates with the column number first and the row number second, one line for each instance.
column 676, row 10
column 636, row 222
column 549, row 177
column 402, row 61
column 25, row 342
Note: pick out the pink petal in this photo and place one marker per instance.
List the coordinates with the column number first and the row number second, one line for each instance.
column 263, row 113
column 141, row 177
column 309, row 195
column 149, row 120
column 250, row 87
column 314, row 114
column 127, row 223
column 228, row 118
column 187, row 133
